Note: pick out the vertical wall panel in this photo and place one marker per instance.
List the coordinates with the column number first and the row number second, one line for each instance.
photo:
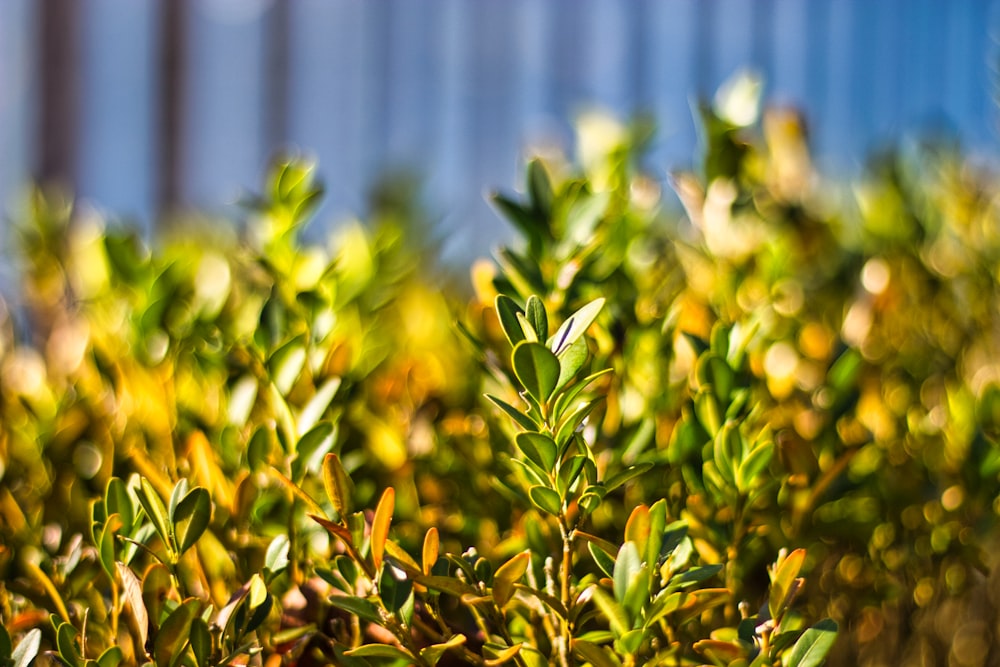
column 16, row 107
column 115, row 163
column 223, row 153
column 327, row 105
column 671, row 77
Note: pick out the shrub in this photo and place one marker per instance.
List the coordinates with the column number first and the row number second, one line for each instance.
column 645, row 439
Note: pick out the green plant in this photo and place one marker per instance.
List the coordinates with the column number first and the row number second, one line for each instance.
column 651, row 438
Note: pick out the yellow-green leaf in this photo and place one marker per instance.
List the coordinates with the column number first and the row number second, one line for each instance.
column 431, row 549
column 433, row 653
column 381, row 651
column 337, row 483
column 380, row 525
column 507, row 575
column 782, row 581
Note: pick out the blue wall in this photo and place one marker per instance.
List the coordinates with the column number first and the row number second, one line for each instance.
column 458, row 88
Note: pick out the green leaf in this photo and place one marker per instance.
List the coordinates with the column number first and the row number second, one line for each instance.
column 584, row 215
column 193, row 514
column 338, row 485
column 631, row 641
column 317, row 405
column 706, row 406
column 259, row 448
column 528, row 328
column 603, row 559
column 622, row 476
column 286, row 363
column 312, row 447
column 695, row 575
column 727, row 445
column 507, row 312
column 431, row 654
column 712, row 370
column 500, row 654
column 814, row 645
column 573, row 422
column 538, row 448
column 449, row 585
column 519, row 417
column 571, row 360
column 155, row 510
column 782, row 582
column 545, row 499
column 534, row 312
column 753, row 465
column 201, row 642
column 168, row 646
column 111, row 657
column 574, row 327
column 524, row 219
column 594, row 654
column 566, row 399
column 617, row 620
column 527, row 473
column 536, row 368
column 637, row 593
column 381, row 651
column 276, row 557
column 27, row 648
column 540, row 188
column 118, row 500
column 106, row 547
column 6, row 645
column 627, row 566
column 569, row 471
column 360, row 607
column 394, row 588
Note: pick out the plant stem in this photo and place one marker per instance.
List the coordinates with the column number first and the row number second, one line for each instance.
column 565, row 568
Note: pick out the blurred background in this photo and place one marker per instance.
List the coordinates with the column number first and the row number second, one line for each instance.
column 145, row 107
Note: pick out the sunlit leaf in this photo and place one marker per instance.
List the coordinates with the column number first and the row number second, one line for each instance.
column 155, row 510
column 380, row 525
column 191, row 518
column 575, row 326
column 360, row 607
column 782, row 581
column 337, row 484
column 536, row 368
column 66, row 644
column 201, row 642
column 430, row 549
column 507, row 575
column 545, row 499
column 381, row 651
column 174, row 633
column 431, row 654
column 627, row 566
column 538, row 448
column 313, row 411
column 519, row 418
column 612, row 611
column 813, row 646
column 594, row 654
column 27, row 649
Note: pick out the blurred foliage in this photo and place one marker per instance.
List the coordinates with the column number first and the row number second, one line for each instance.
column 647, row 438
